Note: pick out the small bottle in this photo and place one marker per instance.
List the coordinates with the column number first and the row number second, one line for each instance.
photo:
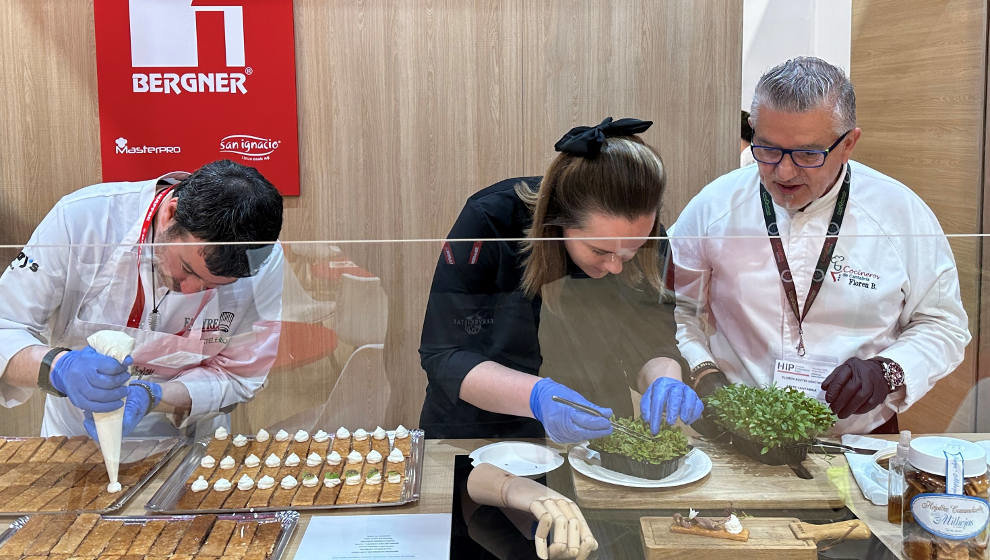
column 895, row 477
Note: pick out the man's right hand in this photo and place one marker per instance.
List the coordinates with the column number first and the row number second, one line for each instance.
column 91, row 380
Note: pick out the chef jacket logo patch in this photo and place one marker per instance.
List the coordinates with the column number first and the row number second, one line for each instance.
column 250, row 148
column 219, row 324
column 852, row 276
column 473, row 324
column 24, row 261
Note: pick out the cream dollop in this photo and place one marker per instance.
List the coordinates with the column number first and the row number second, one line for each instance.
column 333, row 458
column 221, row 433
column 732, row 525
column 314, row 460
column 272, row 461
column 374, row 456
column 252, row 461
column 354, row 456
column 222, row 485
column 240, row 440
column 353, row 478
column 331, row 481
column 262, row 435
column 301, row 436
column 281, row 435
column 245, row 482
column 199, row 485
column 113, row 487
column 375, row 477
column 394, row 477
column 292, row 460
column 289, row 482
column 227, row 462
column 401, row 432
column 265, row 482
column 396, row 456
column 320, row 436
column 343, row 433
column 309, row 480
column 207, row 462
column 360, row 434
column 379, row 433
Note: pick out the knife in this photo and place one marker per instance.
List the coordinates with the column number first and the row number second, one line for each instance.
column 593, row 412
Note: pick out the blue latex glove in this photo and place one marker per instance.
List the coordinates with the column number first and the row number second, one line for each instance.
column 138, row 404
column 563, row 423
column 92, row 381
column 679, row 399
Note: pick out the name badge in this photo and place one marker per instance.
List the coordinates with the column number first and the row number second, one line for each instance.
column 803, row 374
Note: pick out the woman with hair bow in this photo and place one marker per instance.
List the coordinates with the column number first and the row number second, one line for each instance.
column 598, row 204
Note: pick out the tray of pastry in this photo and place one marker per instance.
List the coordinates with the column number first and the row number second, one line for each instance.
column 67, row 474
column 88, row 536
column 276, row 470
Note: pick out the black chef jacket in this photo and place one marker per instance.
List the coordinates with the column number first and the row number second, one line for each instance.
column 596, row 339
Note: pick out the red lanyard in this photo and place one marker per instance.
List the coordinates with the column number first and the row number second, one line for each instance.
column 134, row 320
column 786, row 279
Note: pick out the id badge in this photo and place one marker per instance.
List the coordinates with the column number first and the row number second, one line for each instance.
column 805, row 374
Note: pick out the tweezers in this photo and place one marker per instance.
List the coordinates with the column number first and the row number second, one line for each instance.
column 593, row 412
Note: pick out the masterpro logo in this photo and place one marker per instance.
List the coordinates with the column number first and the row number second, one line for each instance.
column 167, row 34
column 121, row 147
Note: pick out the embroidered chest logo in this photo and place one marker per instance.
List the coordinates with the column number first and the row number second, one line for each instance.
column 473, row 324
column 852, row 276
column 218, row 324
column 24, row 261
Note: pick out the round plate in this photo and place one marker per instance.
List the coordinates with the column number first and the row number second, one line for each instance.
column 518, row 457
column 696, row 465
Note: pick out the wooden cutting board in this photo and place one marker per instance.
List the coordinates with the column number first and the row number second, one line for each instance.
column 769, row 538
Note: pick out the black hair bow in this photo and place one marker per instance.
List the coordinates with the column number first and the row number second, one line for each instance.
column 586, row 141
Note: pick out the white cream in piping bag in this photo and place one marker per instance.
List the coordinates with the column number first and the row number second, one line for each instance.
column 110, row 425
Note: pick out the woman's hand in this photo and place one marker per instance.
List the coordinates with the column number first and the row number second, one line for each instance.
column 677, row 398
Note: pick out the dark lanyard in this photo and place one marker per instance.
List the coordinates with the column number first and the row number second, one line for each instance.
column 786, row 278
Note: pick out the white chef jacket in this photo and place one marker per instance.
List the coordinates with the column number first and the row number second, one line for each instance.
column 891, row 288
column 79, row 275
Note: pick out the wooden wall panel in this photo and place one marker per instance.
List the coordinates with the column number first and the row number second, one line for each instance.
column 919, row 69
column 406, row 107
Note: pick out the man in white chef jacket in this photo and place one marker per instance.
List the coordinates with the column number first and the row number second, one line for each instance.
column 205, row 316
column 868, row 320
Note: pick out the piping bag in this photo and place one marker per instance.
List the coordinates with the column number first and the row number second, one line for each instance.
column 110, row 425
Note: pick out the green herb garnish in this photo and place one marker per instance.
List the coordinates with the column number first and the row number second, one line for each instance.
column 390, row 473
column 772, row 416
column 331, row 475
column 350, row 473
column 371, row 473
column 307, row 476
column 669, row 443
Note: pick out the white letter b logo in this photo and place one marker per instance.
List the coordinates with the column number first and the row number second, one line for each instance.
column 163, row 33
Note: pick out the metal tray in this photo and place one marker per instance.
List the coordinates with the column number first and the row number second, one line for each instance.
column 171, row 446
column 168, row 496
column 288, row 518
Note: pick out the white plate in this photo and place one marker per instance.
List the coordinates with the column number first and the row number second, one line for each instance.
column 518, row 457
column 985, row 444
column 696, row 465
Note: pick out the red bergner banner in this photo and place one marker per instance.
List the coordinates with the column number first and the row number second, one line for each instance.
column 186, row 82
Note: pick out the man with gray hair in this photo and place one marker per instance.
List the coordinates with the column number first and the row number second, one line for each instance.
column 814, row 271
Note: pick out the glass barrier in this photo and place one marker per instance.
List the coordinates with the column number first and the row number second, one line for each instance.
column 318, row 344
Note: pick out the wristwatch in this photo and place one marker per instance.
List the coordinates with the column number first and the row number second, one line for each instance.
column 44, row 372
column 892, row 372
column 693, row 375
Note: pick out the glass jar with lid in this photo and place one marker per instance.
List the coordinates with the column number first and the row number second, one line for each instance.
column 945, row 500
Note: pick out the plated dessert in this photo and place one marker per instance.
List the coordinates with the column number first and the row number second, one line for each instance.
column 298, row 469
column 728, row 527
column 89, row 536
column 59, row 473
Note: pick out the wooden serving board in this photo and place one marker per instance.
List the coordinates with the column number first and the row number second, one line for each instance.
column 735, row 481
column 769, row 538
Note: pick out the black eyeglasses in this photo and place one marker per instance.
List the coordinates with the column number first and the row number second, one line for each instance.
column 801, row 158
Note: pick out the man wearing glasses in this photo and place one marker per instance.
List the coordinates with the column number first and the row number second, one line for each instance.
column 815, row 271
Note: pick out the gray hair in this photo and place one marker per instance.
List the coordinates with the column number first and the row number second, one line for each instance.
column 803, row 84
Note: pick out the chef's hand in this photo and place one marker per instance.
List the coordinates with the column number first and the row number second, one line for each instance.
column 92, row 381
column 679, row 399
column 855, row 387
column 708, row 384
column 142, row 396
column 563, row 423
